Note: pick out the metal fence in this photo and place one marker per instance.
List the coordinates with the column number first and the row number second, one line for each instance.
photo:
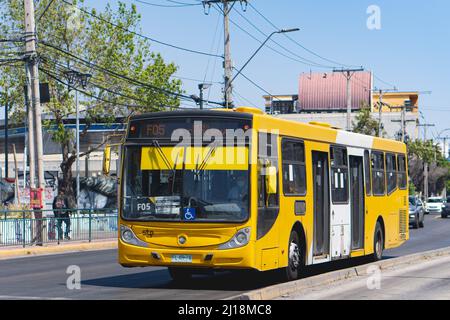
column 27, row 228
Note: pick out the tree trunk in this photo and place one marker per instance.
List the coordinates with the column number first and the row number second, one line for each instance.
column 66, row 183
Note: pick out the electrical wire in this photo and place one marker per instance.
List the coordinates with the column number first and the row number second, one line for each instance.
column 270, row 47
column 296, row 42
column 92, row 83
column 279, row 45
column 121, row 76
column 141, row 35
column 178, row 4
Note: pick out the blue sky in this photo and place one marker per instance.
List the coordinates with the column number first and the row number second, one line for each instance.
column 411, row 50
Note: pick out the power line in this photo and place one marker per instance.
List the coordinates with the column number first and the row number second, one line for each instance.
column 45, row 10
column 141, row 35
column 54, row 77
column 178, row 4
column 258, row 86
column 99, row 86
column 121, row 76
column 385, row 82
column 313, row 63
column 252, row 104
column 296, row 42
column 273, row 49
column 176, row 76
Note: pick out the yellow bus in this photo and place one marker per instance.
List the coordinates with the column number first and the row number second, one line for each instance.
column 239, row 189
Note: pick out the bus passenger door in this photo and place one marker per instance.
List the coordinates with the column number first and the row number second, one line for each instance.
column 321, row 246
column 340, row 203
column 357, row 201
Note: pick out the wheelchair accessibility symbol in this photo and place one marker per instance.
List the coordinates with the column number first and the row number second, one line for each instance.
column 189, row 214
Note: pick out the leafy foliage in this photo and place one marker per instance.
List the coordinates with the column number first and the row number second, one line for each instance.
column 364, row 123
column 66, row 33
column 420, row 152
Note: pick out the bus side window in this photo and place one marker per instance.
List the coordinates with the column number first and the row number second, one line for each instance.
column 391, row 171
column 367, row 167
column 268, row 205
column 401, row 166
column 339, row 175
column 378, row 174
column 293, row 169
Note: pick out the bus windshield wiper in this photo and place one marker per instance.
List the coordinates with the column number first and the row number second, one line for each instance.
column 202, row 166
column 161, row 152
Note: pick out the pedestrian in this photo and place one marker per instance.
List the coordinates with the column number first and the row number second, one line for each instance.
column 62, row 214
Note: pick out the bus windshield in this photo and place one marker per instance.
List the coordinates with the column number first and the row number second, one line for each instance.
column 183, row 193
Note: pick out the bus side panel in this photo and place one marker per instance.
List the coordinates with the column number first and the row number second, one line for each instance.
column 288, row 217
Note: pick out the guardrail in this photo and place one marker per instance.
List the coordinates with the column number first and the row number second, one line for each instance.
column 25, row 227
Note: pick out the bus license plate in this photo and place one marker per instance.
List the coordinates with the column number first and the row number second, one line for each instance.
column 182, row 258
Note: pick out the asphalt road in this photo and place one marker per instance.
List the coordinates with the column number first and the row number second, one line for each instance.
column 426, row 280
column 102, row 278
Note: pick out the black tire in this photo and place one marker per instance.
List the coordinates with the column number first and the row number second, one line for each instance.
column 378, row 243
column 443, row 215
column 180, row 275
column 295, row 259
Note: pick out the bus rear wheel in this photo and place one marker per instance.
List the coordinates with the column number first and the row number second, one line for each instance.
column 180, row 275
column 292, row 271
column 378, row 243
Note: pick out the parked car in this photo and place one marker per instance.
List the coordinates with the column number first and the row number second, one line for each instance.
column 434, row 205
column 416, row 212
column 446, row 209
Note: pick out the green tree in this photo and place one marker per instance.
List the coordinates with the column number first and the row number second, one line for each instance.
column 420, row 152
column 364, row 123
column 126, row 75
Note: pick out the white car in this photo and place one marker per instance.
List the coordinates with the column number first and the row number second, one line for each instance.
column 434, row 205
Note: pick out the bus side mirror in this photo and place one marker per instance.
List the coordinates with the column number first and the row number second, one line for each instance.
column 107, row 160
column 271, row 180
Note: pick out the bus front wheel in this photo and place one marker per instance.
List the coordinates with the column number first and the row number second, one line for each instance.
column 378, row 243
column 292, row 271
column 180, row 274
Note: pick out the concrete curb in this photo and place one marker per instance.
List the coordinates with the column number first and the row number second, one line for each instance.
column 282, row 289
column 57, row 249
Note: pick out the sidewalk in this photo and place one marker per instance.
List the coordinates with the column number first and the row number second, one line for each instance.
column 54, row 248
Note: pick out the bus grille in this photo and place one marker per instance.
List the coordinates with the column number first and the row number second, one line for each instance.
column 403, row 216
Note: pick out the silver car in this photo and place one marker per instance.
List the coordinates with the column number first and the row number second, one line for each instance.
column 416, row 212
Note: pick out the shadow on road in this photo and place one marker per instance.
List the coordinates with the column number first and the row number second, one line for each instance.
column 220, row 281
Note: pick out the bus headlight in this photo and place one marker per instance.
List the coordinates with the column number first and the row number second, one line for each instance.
column 127, row 235
column 240, row 239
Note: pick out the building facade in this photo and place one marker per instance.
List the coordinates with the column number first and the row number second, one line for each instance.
column 323, row 98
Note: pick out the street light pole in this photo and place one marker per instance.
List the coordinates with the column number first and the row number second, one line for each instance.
column 256, row 52
column 202, row 87
column 78, row 147
column 75, row 79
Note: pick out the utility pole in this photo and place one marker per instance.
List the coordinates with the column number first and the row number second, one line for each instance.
column 202, row 87
column 381, row 92
column 403, row 122
column 32, row 66
column 30, row 140
column 348, row 73
column 425, row 166
column 227, row 6
column 76, row 79
column 34, row 112
column 444, row 146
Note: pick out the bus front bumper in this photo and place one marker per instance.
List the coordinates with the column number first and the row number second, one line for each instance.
column 135, row 256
